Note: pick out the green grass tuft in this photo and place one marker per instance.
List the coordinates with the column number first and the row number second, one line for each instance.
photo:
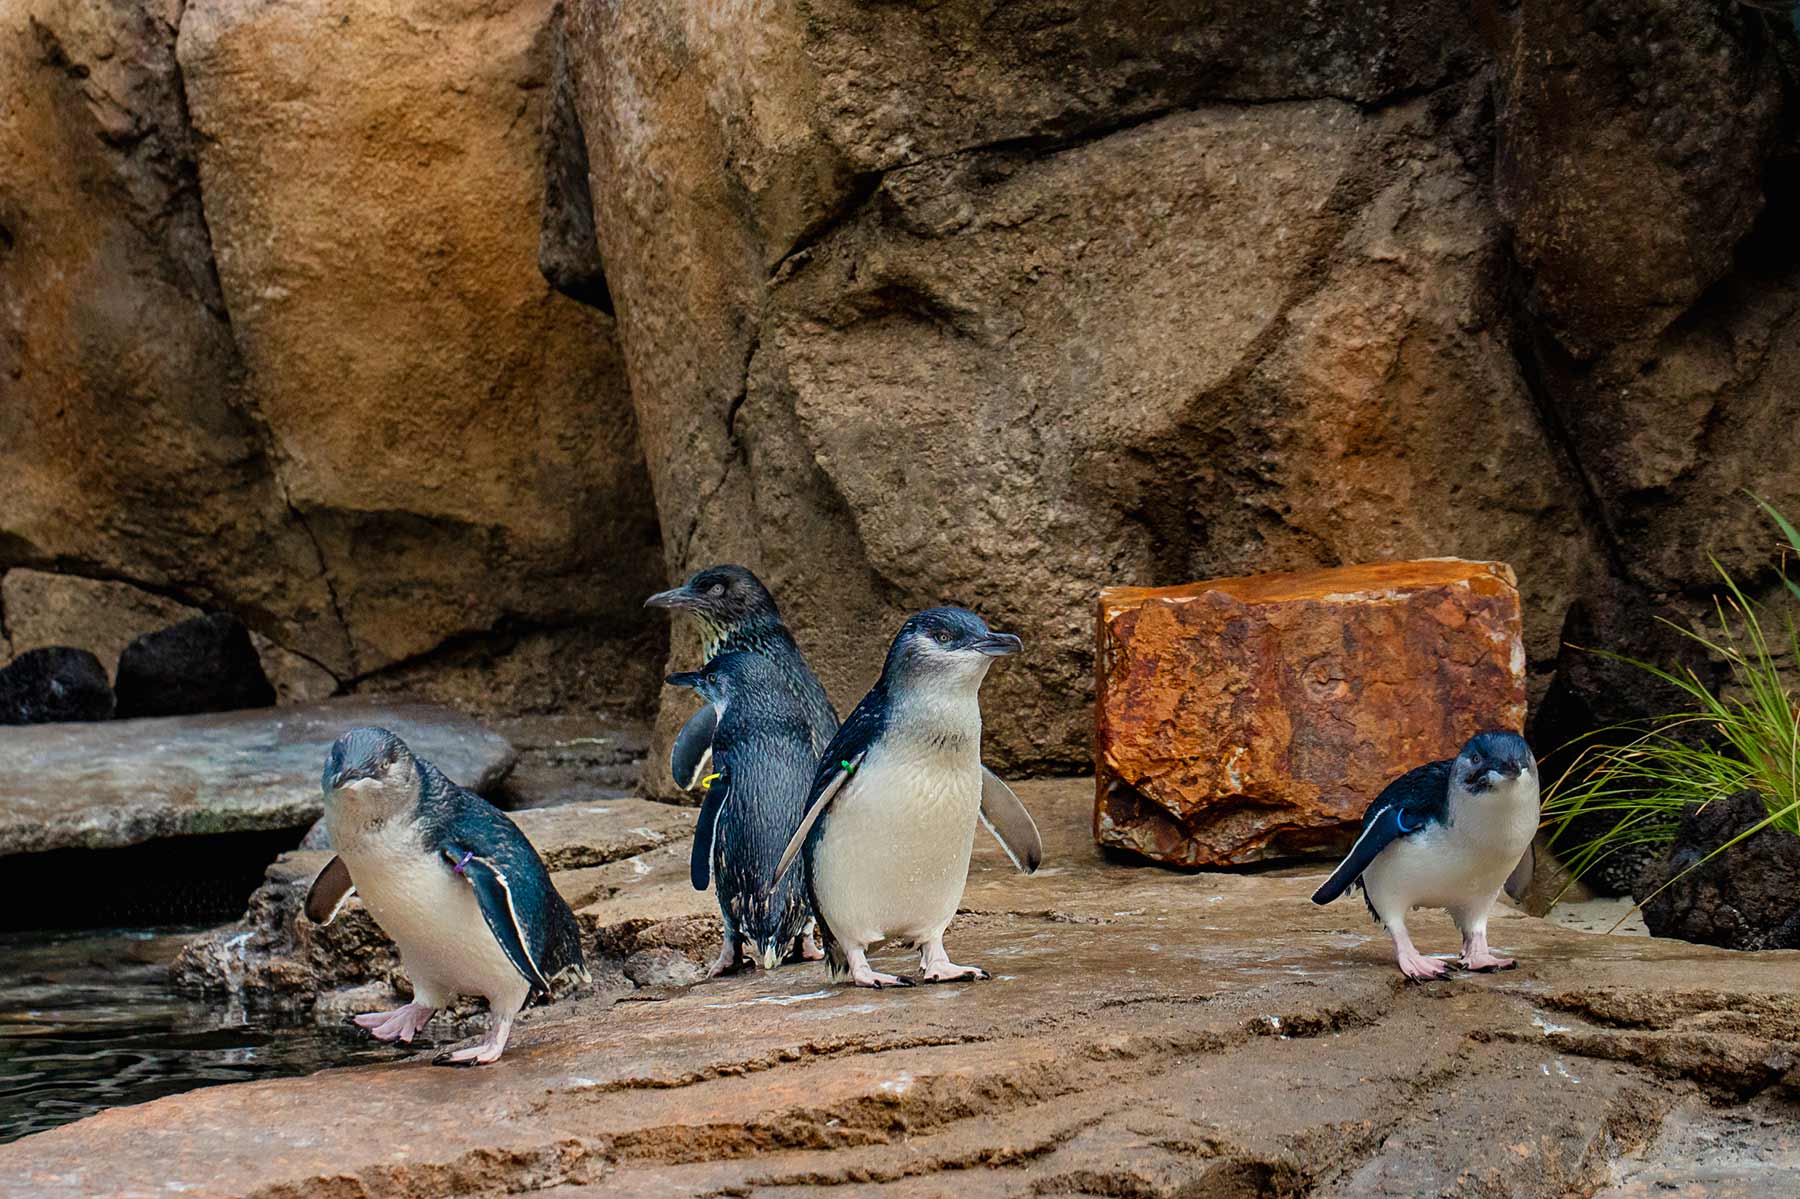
column 1644, row 778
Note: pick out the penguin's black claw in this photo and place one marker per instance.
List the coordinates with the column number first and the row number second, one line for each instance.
column 970, row 975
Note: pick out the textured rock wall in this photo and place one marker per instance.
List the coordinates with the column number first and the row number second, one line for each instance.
column 938, row 302
column 276, row 339
column 308, row 310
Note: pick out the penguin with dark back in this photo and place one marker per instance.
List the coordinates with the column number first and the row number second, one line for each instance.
column 1448, row 834
column 762, row 763
column 890, row 819
column 457, row 886
column 736, row 612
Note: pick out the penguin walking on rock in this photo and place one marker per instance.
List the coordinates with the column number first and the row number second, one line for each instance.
column 736, row 612
column 1451, row 835
column 762, row 765
column 890, row 819
column 457, row 886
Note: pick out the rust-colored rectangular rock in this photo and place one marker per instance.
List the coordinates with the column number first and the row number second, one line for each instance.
column 1241, row 720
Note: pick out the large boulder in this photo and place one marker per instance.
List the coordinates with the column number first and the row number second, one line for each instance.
column 1102, row 319
column 1649, row 197
column 457, row 434
column 52, row 685
column 1747, row 897
column 207, row 664
column 126, row 442
column 1241, row 720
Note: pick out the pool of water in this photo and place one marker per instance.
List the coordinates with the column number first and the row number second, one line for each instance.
column 88, row 1021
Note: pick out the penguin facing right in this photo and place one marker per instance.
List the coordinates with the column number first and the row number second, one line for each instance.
column 736, row 612
column 890, row 820
column 762, row 765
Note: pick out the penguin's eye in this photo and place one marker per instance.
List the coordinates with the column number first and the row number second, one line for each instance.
column 943, row 637
column 717, row 589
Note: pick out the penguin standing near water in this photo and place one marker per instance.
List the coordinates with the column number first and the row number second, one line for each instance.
column 1448, row 834
column 890, row 820
column 457, row 886
column 762, row 765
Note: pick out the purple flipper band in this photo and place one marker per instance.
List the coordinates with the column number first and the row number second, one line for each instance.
column 466, row 858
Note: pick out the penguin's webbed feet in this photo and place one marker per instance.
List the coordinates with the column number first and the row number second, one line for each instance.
column 864, row 975
column 486, row 1053
column 402, row 1024
column 935, row 966
column 1478, row 957
column 1419, row 968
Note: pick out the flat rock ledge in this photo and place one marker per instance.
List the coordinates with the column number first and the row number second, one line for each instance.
column 122, row 782
column 1145, row 1034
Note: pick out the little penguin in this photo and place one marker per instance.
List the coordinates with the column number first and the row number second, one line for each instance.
column 736, row 612
column 890, row 818
column 762, row 765
column 1451, row 835
column 457, row 886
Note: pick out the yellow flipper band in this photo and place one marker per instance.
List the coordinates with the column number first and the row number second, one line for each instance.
column 707, row 782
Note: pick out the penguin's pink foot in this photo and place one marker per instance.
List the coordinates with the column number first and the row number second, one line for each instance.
column 1485, row 963
column 728, row 961
column 809, row 947
column 1478, row 957
column 487, row 1052
column 864, row 975
column 402, row 1024
column 1420, row 968
column 935, row 966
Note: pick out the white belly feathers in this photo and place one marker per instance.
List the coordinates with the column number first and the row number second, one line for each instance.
column 1463, row 863
column 433, row 917
column 894, row 854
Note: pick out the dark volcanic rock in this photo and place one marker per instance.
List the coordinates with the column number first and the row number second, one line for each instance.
column 1591, row 692
column 202, row 665
column 44, row 686
column 1746, row 898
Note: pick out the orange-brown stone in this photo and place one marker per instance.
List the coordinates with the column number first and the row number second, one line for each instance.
column 1240, row 720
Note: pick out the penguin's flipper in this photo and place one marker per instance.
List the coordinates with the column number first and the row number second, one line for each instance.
column 493, row 891
column 1011, row 824
column 705, row 830
column 1519, row 881
column 823, row 800
column 691, row 754
column 1406, row 805
column 329, row 892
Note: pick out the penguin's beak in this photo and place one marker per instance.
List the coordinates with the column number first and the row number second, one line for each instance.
column 684, row 678
column 768, row 956
column 1503, row 771
column 998, row 645
column 674, row 597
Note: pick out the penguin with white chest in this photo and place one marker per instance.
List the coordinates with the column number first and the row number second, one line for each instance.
column 457, row 886
column 891, row 817
column 1451, row 835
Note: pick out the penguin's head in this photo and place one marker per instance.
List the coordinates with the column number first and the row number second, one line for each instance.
column 722, row 598
column 950, row 645
column 369, row 760
column 1492, row 759
column 723, row 677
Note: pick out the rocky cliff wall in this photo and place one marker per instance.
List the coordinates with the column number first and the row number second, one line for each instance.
column 896, row 303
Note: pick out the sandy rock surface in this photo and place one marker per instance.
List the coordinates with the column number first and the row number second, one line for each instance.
column 1146, row 1033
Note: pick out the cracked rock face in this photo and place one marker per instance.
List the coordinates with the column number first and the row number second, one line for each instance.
column 1145, row 1034
column 1220, row 294
column 1241, row 720
column 274, row 338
